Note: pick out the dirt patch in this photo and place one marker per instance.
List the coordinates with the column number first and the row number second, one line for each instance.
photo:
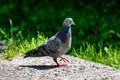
column 44, row 68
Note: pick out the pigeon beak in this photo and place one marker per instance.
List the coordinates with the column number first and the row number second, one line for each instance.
column 73, row 23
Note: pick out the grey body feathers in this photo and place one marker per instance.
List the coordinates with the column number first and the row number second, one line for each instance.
column 54, row 47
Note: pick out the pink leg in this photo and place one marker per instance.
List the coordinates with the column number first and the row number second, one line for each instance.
column 59, row 65
column 64, row 59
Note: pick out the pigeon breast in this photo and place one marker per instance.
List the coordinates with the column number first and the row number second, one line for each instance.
column 65, row 39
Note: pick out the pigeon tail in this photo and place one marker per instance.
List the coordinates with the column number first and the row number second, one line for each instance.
column 35, row 53
column 31, row 53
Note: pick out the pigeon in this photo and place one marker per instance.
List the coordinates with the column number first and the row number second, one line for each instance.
column 57, row 45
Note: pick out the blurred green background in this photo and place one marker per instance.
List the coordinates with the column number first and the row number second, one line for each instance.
column 96, row 21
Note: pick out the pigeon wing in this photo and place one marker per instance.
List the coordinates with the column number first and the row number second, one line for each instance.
column 50, row 48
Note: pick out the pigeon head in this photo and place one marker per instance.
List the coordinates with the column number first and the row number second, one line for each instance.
column 68, row 22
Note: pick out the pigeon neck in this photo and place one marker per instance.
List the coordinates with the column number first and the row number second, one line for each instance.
column 64, row 26
column 65, row 33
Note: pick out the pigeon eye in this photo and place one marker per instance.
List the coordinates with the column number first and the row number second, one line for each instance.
column 69, row 21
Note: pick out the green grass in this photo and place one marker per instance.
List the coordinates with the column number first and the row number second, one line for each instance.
column 107, row 55
column 18, row 45
column 24, row 46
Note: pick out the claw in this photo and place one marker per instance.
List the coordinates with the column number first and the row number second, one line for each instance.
column 64, row 59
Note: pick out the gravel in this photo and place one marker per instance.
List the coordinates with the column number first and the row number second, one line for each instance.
column 44, row 68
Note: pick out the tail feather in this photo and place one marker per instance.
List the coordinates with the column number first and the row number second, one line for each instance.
column 38, row 52
column 31, row 53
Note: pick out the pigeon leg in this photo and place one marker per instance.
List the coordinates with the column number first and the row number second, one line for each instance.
column 64, row 59
column 59, row 65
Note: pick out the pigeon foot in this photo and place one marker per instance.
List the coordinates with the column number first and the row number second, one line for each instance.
column 64, row 59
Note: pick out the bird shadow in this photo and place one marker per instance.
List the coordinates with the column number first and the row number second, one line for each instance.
column 40, row 67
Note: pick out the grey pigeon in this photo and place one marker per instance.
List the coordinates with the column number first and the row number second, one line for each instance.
column 57, row 45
